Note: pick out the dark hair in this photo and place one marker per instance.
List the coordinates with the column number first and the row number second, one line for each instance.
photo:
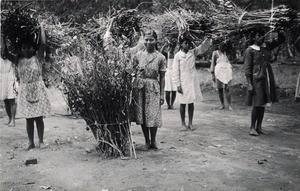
column 151, row 33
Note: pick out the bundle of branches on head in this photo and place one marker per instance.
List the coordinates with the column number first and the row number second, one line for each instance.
column 126, row 24
column 192, row 25
column 19, row 26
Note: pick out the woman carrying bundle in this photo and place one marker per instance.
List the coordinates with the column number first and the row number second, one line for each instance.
column 221, row 71
column 148, row 89
column 260, row 78
column 33, row 102
column 186, row 79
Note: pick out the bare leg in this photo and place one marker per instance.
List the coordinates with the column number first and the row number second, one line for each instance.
column 8, row 111
column 254, row 117
column 40, row 129
column 146, row 135
column 168, row 99
column 228, row 97
column 182, row 115
column 260, row 120
column 30, row 132
column 191, row 115
column 153, row 131
column 13, row 108
column 221, row 97
column 173, row 97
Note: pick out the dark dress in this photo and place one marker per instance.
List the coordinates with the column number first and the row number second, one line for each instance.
column 257, row 65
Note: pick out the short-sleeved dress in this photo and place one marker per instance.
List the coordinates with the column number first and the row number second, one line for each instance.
column 8, row 84
column 33, row 100
column 146, row 107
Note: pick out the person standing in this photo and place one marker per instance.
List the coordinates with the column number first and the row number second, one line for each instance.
column 33, row 101
column 170, row 87
column 8, row 85
column 221, row 70
column 186, row 79
column 148, row 89
column 260, row 78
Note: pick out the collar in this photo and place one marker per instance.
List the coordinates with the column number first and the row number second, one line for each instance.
column 255, row 47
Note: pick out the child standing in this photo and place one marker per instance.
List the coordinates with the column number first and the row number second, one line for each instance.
column 185, row 77
column 33, row 102
column 8, row 84
column 221, row 70
column 170, row 87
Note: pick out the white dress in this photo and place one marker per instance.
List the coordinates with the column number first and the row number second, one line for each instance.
column 185, row 74
column 223, row 68
column 8, row 84
column 169, row 83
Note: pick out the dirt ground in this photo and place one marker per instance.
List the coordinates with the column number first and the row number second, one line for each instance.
column 218, row 155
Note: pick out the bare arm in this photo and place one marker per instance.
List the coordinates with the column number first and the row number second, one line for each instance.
column 42, row 43
column 203, row 47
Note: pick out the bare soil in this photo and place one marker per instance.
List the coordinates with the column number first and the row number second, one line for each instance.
column 218, row 155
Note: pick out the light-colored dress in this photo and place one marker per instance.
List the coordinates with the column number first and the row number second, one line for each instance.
column 8, row 84
column 170, row 85
column 32, row 98
column 223, row 68
column 146, row 107
column 185, row 74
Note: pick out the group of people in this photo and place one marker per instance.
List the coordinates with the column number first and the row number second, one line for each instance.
column 159, row 76
column 177, row 73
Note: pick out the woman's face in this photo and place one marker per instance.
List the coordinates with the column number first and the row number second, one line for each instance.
column 27, row 50
column 259, row 38
column 185, row 45
column 150, row 42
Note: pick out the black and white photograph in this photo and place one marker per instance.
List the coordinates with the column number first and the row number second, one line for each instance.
column 150, row 95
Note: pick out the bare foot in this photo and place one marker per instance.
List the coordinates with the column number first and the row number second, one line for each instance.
column 253, row 132
column 192, row 127
column 153, row 146
column 9, row 120
column 13, row 124
column 260, row 131
column 146, row 147
column 41, row 146
column 221, row 108
column 30, row 147
column 184, row 128
column 230, row 108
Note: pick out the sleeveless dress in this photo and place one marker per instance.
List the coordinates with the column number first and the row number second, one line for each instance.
column 223, row 68
column 169, row 83
column 33, row 100
column 8, row 84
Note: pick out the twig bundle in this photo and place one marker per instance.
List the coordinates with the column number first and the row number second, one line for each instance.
column 19, row 26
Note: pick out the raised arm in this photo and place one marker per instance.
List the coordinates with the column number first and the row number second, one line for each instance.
column 42, row 43
column 276, row 43
column 5, row 53
column 213, row 64
column 203, row 47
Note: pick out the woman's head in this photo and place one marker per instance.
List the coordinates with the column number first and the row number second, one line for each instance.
column 150, row 40
column 257, row 37
column 185, row 44
column 27, row 49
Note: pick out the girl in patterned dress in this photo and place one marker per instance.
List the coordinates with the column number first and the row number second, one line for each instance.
column 33, row 102
column 148, row 89
column 8, row 84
